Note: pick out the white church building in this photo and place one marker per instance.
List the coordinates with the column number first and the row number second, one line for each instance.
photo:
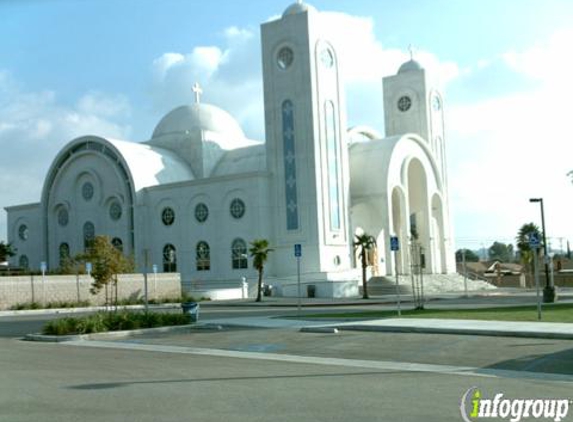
column 191, row 198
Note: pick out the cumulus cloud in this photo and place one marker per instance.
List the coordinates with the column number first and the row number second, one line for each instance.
column 514, row 146
column 34, row 126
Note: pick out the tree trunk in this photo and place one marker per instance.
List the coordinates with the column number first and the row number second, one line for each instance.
column 260, row 287
column 364, row 284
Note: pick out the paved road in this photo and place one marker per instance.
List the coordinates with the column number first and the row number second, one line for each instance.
column 269, row 374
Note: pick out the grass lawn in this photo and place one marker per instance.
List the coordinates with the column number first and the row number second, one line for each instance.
column 550, row 313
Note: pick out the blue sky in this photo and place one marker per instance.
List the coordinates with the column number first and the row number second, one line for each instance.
column 75, row 67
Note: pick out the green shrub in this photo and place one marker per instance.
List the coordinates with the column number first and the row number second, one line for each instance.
column 113, row 321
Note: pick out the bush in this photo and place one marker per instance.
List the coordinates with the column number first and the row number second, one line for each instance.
column 112, row 321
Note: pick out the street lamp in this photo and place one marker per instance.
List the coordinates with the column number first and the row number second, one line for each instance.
column 549, row 290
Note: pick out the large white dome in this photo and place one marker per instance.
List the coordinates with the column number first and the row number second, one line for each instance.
column 206, row 117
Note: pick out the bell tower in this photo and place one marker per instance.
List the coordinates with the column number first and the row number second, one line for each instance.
column 305, row 124
column 411, row 105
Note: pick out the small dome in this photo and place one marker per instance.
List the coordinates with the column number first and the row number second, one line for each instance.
column 298, row 7
column 199, row 116
column 409, row 66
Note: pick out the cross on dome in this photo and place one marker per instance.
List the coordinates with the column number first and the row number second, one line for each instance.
column 198, row 91
column 411, row 50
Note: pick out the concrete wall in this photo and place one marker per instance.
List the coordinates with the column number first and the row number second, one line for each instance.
column 73, row 288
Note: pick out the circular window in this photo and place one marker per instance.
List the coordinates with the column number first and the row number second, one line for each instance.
column 24, row 262
column 327, row 57
column 237, row 208
column 63, row 217
column 115, row 210
column 404, row 103
column 201, row 212
column 23, row 232
column 168, row 216
column 88, row 191
column 285, row 58
column 117, row 243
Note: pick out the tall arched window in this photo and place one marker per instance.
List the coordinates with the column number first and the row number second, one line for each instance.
column 89, row 234
column 169, row 258
column 239, row 254
column 203, row 256
column 64, row 253
column 289, row 156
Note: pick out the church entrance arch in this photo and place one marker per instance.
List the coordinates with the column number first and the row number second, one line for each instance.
column 419, row 220
column 400, row 228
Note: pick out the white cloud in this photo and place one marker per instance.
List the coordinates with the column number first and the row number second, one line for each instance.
column 35, row 126
column 509, row 148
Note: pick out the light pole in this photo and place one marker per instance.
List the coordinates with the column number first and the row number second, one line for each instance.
column 549, row 290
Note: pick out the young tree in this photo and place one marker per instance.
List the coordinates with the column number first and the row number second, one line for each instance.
column 6, row 251
column 365, row 243
column 107, row 262
column 260, row 253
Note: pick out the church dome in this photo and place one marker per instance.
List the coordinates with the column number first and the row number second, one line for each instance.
column 298, row 7
column 205, row 117
column 409, row 66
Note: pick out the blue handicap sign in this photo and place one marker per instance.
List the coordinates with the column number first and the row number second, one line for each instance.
column 534, row 240
column 394, row 243
column 297, row 250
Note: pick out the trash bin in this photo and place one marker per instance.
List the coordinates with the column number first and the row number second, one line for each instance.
column 267, row 290
column 191, row 309
column 311, row 290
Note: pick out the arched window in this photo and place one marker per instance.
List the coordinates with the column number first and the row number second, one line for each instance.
column 239, row 254
column 169, row 258
column 289, row 156
column 64, row 253
column 24, row 262
column 89, row 234
column 117, row 243
column 203, row 256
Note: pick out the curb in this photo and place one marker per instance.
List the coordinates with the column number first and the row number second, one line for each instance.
column 57, row 311
column 111, row 335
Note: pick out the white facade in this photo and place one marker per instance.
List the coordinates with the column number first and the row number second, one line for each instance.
column 192, row 197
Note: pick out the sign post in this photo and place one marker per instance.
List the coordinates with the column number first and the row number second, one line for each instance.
column 395, row 247
column 534, row 244
column 43, row 267
column 298, row 255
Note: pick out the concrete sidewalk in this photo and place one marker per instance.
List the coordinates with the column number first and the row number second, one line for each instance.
column 414, row 325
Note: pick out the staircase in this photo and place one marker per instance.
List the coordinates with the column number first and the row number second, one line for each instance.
column 433, row 284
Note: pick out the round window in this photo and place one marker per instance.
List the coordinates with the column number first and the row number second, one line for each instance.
column 168, row 216
column 237, row 208
column 88, row 191
column 285, row 57
column 23, row 232
column 404, row 103
column 63, row 217
column 115, row 210
column 201, row 212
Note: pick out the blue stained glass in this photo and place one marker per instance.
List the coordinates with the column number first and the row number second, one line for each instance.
column 333, row 167
column 289, row 154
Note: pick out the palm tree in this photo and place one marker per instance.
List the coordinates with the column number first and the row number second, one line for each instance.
column 522, row 239
column 366, row 243
column 6, row 251
column 260, row 253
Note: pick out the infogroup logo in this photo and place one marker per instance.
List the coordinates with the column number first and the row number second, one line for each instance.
column 475, row 406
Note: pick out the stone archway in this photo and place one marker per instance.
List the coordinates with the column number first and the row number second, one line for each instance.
column 419, row 218
column 400, row 229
